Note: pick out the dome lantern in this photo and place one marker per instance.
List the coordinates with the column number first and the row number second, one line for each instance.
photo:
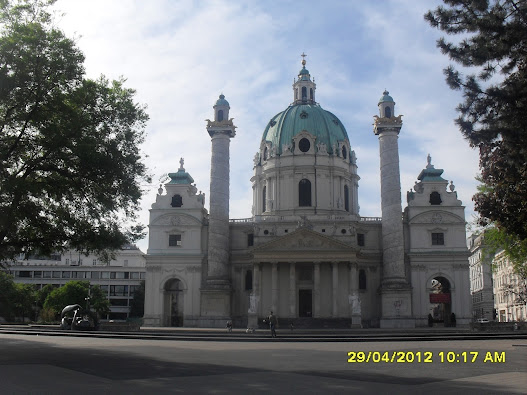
column 304, row 88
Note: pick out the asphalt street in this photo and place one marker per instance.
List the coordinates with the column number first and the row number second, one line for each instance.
column 64, row 364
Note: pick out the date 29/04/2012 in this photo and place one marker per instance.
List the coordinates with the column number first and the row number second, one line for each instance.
column 425, row 357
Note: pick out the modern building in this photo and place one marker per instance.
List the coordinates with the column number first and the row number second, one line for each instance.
column 481, row 279
column 119, row 279
column 509, row 291
column 305, row 252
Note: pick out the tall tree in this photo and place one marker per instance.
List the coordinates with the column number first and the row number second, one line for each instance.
column 76, row 292
column 492, row 47
column 70, row 164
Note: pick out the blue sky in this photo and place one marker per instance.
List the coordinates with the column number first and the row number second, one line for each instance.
column 180, row 55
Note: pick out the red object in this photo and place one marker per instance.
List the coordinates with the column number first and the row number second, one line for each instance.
column 439, row 298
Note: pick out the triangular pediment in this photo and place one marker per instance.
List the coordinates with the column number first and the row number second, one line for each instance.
column 304, row 240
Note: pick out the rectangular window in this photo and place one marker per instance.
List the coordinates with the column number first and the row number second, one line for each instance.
column 360, row 239
column 66, row 274
column 126, row 262
column 95, row 275
column 118, row 290
column 94, row 262
column 56, row 274
column 174, row 240
column 105, row 275
column 104, row 289
column 134, row 275
column 134, row 289
column 250, row 240
column 46, row 274
column 37, row 274
column 118, row 302
column 24, row 273
column 67, row 261
column 112, row 275
column 438, row 239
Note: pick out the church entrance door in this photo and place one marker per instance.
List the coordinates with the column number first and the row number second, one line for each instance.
column 305, row 303
column 173, row 303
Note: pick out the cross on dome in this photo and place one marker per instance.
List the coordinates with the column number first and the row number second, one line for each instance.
column 303, row 59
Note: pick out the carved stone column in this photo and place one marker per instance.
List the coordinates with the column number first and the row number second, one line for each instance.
column 354, row 297
column 335, row 287
column 316, row 290
column 274, row 287
column 254, row 306
column 292, row 290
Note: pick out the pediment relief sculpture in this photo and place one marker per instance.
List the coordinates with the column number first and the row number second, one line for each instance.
column 176, row 220
column 436, row 217
column 303, row 239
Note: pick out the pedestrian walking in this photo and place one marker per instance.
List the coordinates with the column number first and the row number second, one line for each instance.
column 272, row 323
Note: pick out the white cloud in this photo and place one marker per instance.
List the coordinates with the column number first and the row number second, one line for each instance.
column 180, row 55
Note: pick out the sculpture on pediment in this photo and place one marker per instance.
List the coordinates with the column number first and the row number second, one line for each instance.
column 303, row 222
column 256, row 159
column 322, row 148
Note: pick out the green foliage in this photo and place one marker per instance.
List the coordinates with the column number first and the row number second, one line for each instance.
column 70, row 162
column 98, row 301
column 493, row 116
column 137, row 306
column 16, row 300
column 76, row 292
column 7, row 296
column 514, row 248
column 25, row 301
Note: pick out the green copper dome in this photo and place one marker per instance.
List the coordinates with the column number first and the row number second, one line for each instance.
column 385, row 97
column 221, row 101
column 322, row 124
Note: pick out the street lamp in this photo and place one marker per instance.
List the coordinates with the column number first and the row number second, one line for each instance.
column 87, row 299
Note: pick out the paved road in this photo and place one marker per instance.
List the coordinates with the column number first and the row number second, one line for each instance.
column 85, row 365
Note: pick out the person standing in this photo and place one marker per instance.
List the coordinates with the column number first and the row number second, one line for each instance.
column 272, row 324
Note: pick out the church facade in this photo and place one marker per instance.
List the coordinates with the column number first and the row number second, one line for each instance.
column 306, row 253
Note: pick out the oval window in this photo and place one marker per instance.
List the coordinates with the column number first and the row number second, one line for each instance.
column 304, row 145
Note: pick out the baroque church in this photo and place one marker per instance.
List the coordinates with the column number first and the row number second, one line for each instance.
column 306, row 253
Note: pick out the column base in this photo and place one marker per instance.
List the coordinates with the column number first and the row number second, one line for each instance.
column 356, row 321
column 252, row 321
column 392, row 323
column 215, row 307
column 396, row 305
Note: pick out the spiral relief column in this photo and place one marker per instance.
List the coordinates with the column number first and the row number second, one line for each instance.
column 395, row 290
column 216, row 294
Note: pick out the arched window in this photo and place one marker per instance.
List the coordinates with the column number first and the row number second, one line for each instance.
column 304, row 193
column 362, row 279
column 304, row 93
column 388, row 112
column 264, row 199
column 346, row 198
column 435, row 198
column 296, row 94
column 344, row 152
column 248, row 280
column 220, row 115
column 177, row 201
column 311, row 93
column 265, row 154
